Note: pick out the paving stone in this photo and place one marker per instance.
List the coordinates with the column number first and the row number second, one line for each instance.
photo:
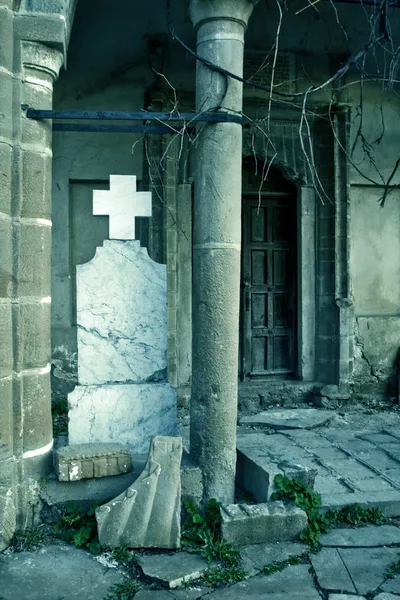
column 363, row 537
column 85, row 461
column 378, row 438
column 147, row 514
column 328, row 484
column 388, row 501
column 308, row 439
column 271, row 522
column 344, row 597
column 290, row 419
column 374, row 484
column 258, row 464
column 172, row 570
column 154, row 595
column 331, row 572
column 257, row 556
column 379, row 460
column 55, row 571
column 355, row 446
column 391, row 585
column 191, row 594
column 293, row 582
column 367, row 566
column 385, row 596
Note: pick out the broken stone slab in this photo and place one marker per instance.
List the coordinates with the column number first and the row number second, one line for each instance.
column 87, row 461
column 302, row 418
column 364, row 537
column 147, row 514
column 345, row 597
column 367, row 566
column 257, row 556
column 331, row 572
column 257, row 465
column 55, row 571
column 172, row 570
column 386, row 596
column 271, row 522
column 391, row 586
column 55, row 494
column 293, row 582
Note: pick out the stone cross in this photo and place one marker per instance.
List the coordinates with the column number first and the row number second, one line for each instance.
column 122, row 203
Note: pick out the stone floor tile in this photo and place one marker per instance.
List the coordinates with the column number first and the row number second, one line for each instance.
column 308, row 439
column 331, row 572
column 172, row 570
column 331, row 454
column 293, row 582
column 154, row 595
column 392, row 585
column 257, row 556
column 374, row 484
column 367, row 566
column 192, row 594
column 351, row 469
column 377, row 438
column 344, row 597
column 55, row 571
column 388, row 501
column 356, row 445
column 290, row 419
column 385, row 596
column 393, row 474
column 363, row 537
column 328, row 484
column 379, row 460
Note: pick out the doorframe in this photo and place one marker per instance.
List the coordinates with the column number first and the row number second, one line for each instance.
column 305, row 293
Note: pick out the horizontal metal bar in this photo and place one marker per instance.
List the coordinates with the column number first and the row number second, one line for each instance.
column 123, row 115
column 94, row 128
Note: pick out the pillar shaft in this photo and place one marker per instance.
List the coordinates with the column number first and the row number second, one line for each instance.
column 25, row 219
column 216, row 246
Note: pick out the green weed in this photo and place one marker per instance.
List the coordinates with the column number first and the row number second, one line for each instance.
column 79, row 526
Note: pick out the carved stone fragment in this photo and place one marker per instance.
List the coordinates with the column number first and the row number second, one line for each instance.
column 87, row 461
column 147, row 514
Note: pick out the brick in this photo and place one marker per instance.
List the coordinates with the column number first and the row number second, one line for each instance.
column 86, row 461
column 261, row 523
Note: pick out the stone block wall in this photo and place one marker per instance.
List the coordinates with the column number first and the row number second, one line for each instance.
column 27, row 71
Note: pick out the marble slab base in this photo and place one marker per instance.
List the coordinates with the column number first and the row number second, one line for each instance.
column 126, row 413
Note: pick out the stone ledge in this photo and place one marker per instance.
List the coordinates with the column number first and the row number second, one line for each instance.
column 271, row 522
column 87, row 461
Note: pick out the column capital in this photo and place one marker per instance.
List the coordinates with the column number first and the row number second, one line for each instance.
column 228, row 10
column 41, row 58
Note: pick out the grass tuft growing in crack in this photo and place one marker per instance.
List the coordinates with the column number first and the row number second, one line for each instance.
column 318, row 523
column 201, row 533
column 275, row 567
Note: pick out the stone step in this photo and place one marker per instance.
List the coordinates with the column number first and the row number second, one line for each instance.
column 55, row 494
column 260, row 459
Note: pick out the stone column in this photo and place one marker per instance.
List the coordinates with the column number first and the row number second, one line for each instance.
column 220, row 28
column 25, row 425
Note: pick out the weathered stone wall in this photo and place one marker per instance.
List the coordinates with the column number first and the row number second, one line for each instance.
column 28, row 68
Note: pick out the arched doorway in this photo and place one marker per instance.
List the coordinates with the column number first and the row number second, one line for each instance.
column 269, row 275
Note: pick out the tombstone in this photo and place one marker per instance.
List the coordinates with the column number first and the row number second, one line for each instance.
column 122, row 393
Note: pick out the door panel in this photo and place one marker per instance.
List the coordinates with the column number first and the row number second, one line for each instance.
column 269, row 286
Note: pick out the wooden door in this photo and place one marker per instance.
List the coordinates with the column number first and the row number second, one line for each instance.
column 269, row 287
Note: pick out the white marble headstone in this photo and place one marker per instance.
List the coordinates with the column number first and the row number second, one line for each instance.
column 121, row 316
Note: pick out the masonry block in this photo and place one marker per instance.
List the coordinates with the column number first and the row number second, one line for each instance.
column 35, row 258
column 36, row 185
column 257, row 467
column 32, row 332
column 87, row 461
column 5, row 177
column 6, row 36
column 271, row 522
column 6, row 252
column 6, row 355
column 36, row 411
column 6, row 424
